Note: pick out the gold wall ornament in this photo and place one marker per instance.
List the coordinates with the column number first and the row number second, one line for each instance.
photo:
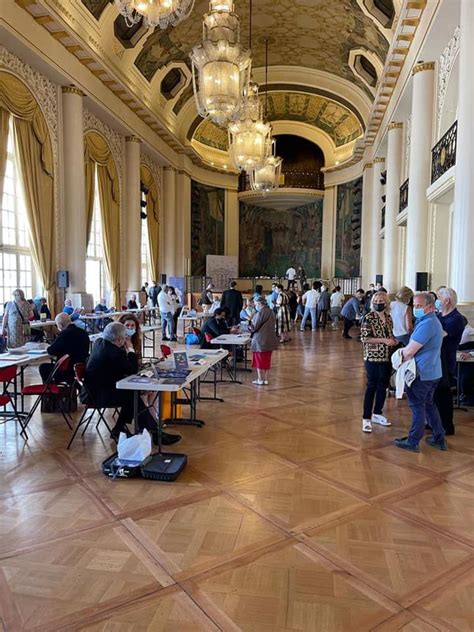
column 425, row 65
column 368, row 165
column 378, row 159
column 132, row 139
column 395, row 125
column 72, row 90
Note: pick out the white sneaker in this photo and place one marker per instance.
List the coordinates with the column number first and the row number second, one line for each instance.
column 366, row 425
column 381, row 420
column 258, row 382
column 265, row 382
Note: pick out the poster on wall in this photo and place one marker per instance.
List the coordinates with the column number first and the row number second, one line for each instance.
column 222, row 270
column 207, row 225
column 270, row 240
column 348, row 228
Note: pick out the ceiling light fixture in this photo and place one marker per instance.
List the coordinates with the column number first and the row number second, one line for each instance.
column 220, row 64
column 155, row 13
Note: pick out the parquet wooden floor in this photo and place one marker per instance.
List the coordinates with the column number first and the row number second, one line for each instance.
column 287, row 519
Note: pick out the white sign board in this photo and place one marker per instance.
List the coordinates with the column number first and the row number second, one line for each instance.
column 221, row 270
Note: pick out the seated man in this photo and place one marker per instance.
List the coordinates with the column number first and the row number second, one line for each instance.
column 72, row 341
column 132, row 303
column 214, row 327
column 113, row 358
column 102, row 307
column 68, row 309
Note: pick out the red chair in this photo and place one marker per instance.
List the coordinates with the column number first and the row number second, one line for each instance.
column 7, row 377
column 208, row 338
column 166, row 351
column 79, row 372
column 196, row 331
column 49, row 388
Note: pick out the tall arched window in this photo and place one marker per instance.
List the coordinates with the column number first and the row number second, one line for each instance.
column 15, row 257
column 96, row 277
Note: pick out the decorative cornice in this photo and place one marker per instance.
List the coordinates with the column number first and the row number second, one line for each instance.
column 445, row 67
column 169, row 168
column 426, row 65
column 395, row 125
column 154, row 167
column 132, row 139
column 377, row 160
column 368, row 165
column 72, row 90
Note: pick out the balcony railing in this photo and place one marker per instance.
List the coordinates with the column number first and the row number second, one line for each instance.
column 443, row 154
column 382, row 218
column 403, row 196
column 292, row 180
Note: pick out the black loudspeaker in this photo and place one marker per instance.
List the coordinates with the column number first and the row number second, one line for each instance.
column 379, row 278
column 421, row 281
column 163, row 279
column 63, row 279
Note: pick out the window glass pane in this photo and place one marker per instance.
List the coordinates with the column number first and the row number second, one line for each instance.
column 96, row 282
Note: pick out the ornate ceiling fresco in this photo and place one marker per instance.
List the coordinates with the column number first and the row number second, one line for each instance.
column 333, row 118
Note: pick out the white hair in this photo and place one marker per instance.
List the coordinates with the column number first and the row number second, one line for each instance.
column 113, row 331
column 449, row 293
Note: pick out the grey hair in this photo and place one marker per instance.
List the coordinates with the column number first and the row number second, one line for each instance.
column 260, row 300
column 448, row 292
column 114, row 331
column 429, row 298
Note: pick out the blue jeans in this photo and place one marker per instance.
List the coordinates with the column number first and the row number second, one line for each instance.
column 313, row 311
column 423, row 409
column 167, row 320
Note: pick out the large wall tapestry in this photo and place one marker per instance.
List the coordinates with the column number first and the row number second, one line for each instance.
column 207, row 225
column 271, row 240
column 348, row 228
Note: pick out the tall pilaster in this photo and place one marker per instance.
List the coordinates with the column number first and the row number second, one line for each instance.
column 376, row 263
column 328, row 237
column 183, row 224
column 392, row 206
column 169, row 220
column 422, row 112
column 74, row 188
column 365, row 247
column 462, row 249
column 231, row 223
column 132, row 214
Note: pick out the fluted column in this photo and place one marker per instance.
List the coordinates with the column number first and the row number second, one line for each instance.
column 74, row 188
column 169, row 220
column 133, row 226
column 231, row 223
column 365, row 246
column 419, row 171
column 462, row 250
column 376, row 263
column 392, row 206
column 328, row 241
column 183, row 223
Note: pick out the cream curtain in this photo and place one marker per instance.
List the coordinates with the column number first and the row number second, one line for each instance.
column 97, row 151
column 89, row 165
column 4, row 121
column 153, row 221
column 35, row 158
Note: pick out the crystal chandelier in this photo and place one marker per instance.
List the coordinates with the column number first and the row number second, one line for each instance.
column 249, row 136
column 220, row 64
column 161, row 13
column 267, row 177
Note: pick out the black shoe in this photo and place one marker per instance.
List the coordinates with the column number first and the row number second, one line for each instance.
column 166, row 438
column 347, row 337
column 406, row 445
column 174, row 339
column 115, row 432
column 450, row 433
column 438, row 445
column 165, row 339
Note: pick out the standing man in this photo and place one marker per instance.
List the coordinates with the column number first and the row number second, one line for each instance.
column 323, row 306
column 165, row 303
column 153, row 294
column 425, row 347
column 310, row 302
column 233, row 302
column 291, row 276
column 352, row 309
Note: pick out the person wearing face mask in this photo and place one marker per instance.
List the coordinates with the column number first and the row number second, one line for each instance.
column 425, row 348
column 132, row 326
column 215, row 327
column 351, row 310
column 453, row 326
column 376, row 334
column 264, row 340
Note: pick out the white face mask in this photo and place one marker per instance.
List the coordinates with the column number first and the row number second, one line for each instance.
column 130, row 331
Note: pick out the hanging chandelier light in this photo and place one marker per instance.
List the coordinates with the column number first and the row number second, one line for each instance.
column 266, row 177
column 156, row 13
column 220, row 64
column 249, row 136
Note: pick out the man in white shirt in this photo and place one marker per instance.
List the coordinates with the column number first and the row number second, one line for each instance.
column 310, row 302
column 337, row 298
column 291, row 276
column 165, row 303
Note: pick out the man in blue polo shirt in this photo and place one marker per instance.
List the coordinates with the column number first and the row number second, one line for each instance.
column 425, row 347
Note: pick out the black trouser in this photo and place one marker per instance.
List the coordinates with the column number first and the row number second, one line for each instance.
column 443, row 398
column 323, row 318
column 125, row 401
column 61, row 376
column 378, row 379
column 348, row 324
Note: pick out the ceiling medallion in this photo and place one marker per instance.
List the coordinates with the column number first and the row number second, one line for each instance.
column 155, row 13
column 220, row 64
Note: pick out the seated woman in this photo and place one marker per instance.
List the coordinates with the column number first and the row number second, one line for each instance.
column 132, row 303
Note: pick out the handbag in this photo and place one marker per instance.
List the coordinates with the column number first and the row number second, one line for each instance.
column 26, row 325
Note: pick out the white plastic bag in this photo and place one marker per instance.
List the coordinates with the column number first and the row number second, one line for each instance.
column 135, row 448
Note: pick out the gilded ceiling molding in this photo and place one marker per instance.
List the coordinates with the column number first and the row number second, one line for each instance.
column 445, row 67
column 368, row 165
column 395, row 125
column 115, row 140
column 132, row 139
column 169, row 168
column 425, row 65
column 378, row 160
column 72, row 90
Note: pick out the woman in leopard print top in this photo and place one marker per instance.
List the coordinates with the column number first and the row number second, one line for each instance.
column 377, row 340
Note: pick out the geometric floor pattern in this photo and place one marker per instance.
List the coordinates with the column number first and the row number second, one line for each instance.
column 287, row 518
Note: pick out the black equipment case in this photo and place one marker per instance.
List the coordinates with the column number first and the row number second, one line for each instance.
column 163, row 466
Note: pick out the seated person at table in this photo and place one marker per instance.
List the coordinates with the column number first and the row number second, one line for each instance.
column 214, row 327
column 248, row 310
column 34, row 309
column 112, row 359
column 73, row 312
column 71, row 340
column 44, row 309
column 132, row 303
column 102, row 307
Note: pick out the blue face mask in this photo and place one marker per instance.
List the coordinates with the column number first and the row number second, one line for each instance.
column 130, row 332
column 438, row 305
column 418, row 312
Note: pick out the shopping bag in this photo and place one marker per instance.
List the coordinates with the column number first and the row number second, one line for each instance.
column 135, row 448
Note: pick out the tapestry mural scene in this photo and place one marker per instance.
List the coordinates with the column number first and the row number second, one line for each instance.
column 348, row 228
column 207, row 225
column 271, row 240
